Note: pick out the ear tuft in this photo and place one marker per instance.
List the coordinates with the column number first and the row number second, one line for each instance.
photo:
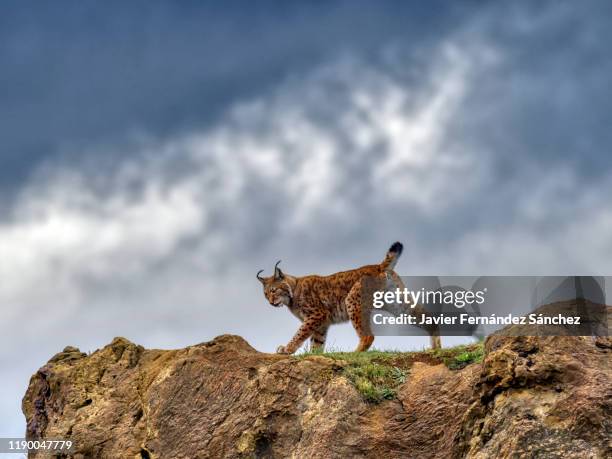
column 278, row 274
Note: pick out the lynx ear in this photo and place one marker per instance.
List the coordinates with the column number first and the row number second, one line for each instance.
column 278, row 274
column 259, row 278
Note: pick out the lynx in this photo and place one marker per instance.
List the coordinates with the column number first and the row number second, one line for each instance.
column 320, row 301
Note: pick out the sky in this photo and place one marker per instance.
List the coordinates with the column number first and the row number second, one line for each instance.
column 156, row 155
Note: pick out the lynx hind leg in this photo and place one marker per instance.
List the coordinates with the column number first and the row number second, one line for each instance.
column 353, row 309
column 436, row 342
column 364, row 343
column 317, row 340
column 418, row 311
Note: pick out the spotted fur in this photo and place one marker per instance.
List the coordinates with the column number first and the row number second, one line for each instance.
column 320, row 301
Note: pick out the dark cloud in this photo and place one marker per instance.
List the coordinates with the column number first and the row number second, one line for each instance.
column 549, row 97
column 90, row 72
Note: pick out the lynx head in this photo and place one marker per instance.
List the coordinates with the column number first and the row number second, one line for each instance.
column 277, row 288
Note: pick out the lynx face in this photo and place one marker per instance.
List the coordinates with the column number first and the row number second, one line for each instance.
column 277, row 292
column 276, row 288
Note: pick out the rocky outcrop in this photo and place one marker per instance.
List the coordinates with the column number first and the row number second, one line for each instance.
column 530, row 397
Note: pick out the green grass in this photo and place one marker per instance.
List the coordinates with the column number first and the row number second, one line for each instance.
column 354, row 357
column 374, row 381
column 459, row 357
column 377, row 374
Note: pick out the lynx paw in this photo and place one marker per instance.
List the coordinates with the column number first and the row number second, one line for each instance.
column 282, row 350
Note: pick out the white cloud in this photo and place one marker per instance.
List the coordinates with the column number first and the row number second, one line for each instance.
column 56, row 242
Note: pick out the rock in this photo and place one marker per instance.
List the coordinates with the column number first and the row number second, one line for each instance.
column 544, row 397
column 541, row 396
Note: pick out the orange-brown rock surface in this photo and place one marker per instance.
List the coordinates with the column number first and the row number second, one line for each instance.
column 530, row 397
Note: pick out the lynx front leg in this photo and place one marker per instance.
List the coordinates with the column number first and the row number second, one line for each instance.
column 317, row 340
column 353, row 308
column 308, row 327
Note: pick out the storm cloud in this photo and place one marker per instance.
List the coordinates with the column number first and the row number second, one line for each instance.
column 153, row 163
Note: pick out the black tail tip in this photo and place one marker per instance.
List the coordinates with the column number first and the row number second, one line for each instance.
column 396, row 247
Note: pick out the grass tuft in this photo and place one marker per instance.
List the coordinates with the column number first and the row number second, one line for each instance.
column 458, row 357
column 377, row 374
column 374, row 381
